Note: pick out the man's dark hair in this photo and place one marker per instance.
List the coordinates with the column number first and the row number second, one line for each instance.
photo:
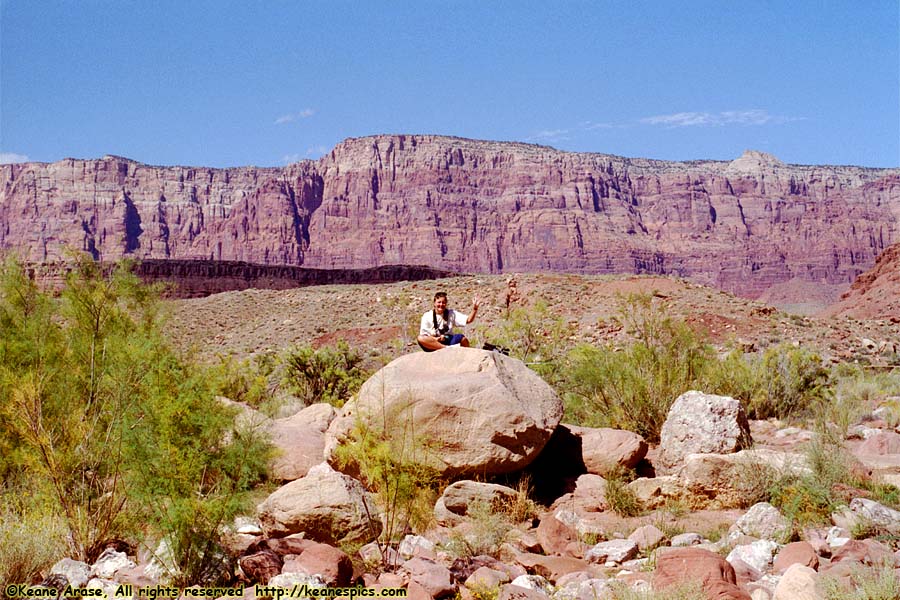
column 440, row 295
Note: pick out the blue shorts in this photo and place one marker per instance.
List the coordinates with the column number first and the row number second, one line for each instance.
column 455, row 339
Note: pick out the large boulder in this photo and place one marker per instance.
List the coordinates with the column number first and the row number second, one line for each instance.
column 476, row 412
column 701, row 423
column 603, row 450
column 682, row 565
column 726, row 479
column 328, row 506
column 458, row 496
column 300, row 441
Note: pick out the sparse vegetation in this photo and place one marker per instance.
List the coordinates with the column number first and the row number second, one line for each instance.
column 684, row 591
column 30, row 540
column 621, row 499
column 633, row 387
column 535, row 335
column 879, row 582
column 248, row 380
column 489, row 528
column 392, row 462
column 328, row 374
column 106, row 430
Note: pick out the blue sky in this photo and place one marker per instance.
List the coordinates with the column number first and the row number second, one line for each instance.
column 266, row 83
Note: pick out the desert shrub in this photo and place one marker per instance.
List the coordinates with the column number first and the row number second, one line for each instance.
column 621, row 499
column 328, row 374
column 521, row 507
column 186, row 474
column 783, row 382
column 488, row 528
column 394, row 463
column 811, row 498
column 856, row 392
column 31, row 539
column 482, row 591
column 534, row 335
column 634, row 387
column 106, row 418
column 247, row 380
column 755, row 481
column 792, row 381
column 682, row 591
column 878, row 582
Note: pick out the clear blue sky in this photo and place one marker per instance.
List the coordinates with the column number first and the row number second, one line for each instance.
column 265, row 83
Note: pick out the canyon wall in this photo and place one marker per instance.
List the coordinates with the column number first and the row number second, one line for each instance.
column 468, row 206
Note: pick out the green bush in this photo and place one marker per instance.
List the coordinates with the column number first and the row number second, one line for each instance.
column 488, row 529
column 633, row 387
column 246, row 381
column 534, row 335
column 329, row 375
column 127, row 436
column 621, row 499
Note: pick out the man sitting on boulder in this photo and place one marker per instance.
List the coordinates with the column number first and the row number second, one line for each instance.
column 436, row 329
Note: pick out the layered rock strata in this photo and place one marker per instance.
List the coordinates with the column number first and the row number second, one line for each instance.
column 467, row 206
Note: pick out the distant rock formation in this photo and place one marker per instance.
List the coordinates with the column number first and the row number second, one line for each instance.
column 467, row 206
column 876, row 293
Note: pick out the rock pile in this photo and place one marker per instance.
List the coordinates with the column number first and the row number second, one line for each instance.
column 490, row 416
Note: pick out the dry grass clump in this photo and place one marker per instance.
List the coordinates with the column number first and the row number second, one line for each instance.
column 31, row 541
column 866, row 583
column 683, row 591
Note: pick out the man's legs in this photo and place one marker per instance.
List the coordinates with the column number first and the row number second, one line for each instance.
column 429, row 343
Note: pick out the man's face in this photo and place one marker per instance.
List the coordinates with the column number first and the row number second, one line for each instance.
column 440, row 304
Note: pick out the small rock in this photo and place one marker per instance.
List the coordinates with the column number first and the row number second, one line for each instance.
column 615, row 551
column 533, row 582
column 797, row 583
column 77, row 573
column 433, row 577
column 647, row 537
column 796, row 553
column 109, row 562
column 687, row 539
column 757, row 554
column 416, row 545
column 763, row 520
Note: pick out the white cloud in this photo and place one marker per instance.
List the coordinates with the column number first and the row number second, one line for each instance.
column 303, row 114
column 10, row 157
column 729, row 117
column 550, row 135
column 591, row 126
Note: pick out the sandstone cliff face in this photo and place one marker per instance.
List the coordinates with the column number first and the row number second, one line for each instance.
column 468, row 206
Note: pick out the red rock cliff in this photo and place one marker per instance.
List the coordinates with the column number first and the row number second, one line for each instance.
column 470, row 206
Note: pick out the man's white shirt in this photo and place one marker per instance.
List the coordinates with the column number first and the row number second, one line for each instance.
column 454, row 319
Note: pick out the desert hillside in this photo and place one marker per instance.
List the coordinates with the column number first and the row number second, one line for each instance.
column 876, row 293
column 381, row 319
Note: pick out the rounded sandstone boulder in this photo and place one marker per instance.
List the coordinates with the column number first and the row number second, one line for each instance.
column 327, row 506
column 476, row 412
